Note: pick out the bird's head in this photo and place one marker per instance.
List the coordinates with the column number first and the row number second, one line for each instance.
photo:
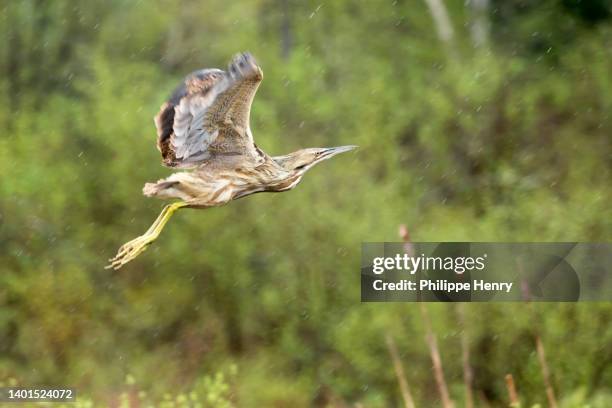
column 302, row 160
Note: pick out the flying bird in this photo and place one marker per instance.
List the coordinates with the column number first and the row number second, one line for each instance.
column 204, row 128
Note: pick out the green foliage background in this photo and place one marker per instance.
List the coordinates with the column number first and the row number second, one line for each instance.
column 507, row 141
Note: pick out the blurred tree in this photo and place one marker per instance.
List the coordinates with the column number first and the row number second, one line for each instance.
column 510, row 142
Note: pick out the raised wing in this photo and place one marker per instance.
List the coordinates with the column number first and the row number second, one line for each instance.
column 208, row 115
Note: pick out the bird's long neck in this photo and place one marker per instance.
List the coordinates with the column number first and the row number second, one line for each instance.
column 275, row 176
column 286, row 182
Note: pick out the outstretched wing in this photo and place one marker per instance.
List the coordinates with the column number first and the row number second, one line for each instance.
column 209, row 115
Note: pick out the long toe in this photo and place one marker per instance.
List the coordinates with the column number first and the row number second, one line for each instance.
column 129, row 251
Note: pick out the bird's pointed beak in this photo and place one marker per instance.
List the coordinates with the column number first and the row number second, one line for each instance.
column 332, row 151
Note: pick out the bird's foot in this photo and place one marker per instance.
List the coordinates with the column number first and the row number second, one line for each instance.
column 244, row 66
column 135, row 247
column 131, row 250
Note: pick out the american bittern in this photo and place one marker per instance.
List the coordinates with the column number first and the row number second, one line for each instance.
column 204, row 126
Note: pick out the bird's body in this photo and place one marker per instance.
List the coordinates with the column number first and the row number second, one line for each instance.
column 204, row 127
column 217, row 183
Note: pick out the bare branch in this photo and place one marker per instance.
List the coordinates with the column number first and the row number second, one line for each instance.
column 514, row 399
column 404, row 234
column 435, row 359
column 550, row 392
column 468, row 375
column 444, row 26
column 399, row 372
column 480, row 24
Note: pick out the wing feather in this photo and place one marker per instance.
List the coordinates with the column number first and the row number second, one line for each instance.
column 209, row 115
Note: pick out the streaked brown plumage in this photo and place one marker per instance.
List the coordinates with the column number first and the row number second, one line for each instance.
column 204, row 127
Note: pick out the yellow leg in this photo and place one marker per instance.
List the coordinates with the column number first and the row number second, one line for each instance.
column 135, row 247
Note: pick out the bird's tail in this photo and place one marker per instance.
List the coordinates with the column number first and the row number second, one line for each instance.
column 156, row 189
